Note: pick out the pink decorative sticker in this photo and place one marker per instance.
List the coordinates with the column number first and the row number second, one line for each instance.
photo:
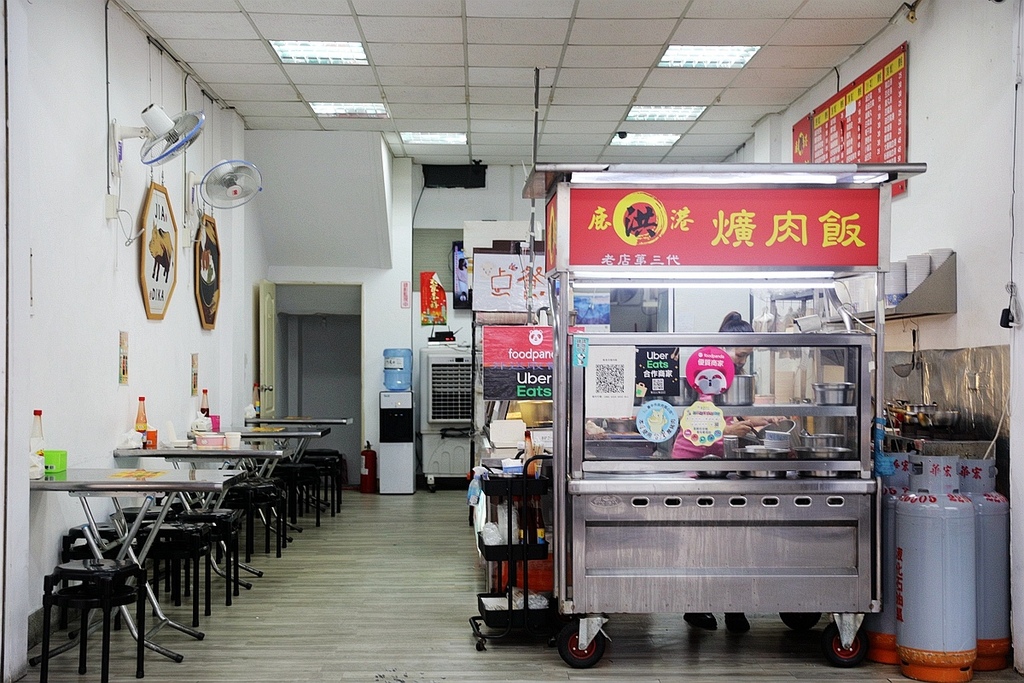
column 710, row 371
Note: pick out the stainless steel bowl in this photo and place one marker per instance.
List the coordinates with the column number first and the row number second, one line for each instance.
column 834, row 393
column 823, row 453
column 761, row 453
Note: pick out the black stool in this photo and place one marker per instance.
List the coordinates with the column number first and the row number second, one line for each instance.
column 253, row 496
column 180, row 545
column 299, row 479
column 103, row 586
column 330, row 464
column 225, row 525
column 74, row 546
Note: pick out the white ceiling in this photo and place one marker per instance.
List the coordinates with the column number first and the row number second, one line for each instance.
column 468, row 66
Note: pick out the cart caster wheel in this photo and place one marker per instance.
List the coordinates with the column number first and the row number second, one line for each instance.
column 432, row 488
column 568, row 647
column 800, row 621
column 480, row 646
column 834, row 652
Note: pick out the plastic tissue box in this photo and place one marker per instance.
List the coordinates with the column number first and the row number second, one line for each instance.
column 55, row 461
column 512, row 466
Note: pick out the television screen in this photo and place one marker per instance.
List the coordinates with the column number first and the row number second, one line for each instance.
column 462, row 295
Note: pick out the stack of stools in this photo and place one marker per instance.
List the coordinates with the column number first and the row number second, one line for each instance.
column 180, row 546
column 300, row 479
column 255, row 496
column 104, row 585
column 224, row 524
column 74, row 546
column 331, row 465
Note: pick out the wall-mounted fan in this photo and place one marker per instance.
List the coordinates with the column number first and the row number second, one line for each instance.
column 226, row 185
column 164, row 137
column 230, row 184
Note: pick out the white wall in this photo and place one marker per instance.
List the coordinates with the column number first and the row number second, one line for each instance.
column 82, row 288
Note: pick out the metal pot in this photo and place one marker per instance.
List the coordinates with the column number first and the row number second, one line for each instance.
column 823, row 453
column 944, row 418
column 712, row 474
column 740, row 393
column 620, row 425
column 822, row 440
column 834, row 393
column 762, row 453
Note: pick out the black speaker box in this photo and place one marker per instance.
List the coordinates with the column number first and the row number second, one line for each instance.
column 465, row 175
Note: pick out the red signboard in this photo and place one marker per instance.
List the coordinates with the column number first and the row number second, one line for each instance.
column 865, row 122
column 821, row 228
column 517, row 346
column 802, row 141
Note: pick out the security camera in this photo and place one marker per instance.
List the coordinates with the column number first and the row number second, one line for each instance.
column 621, row 134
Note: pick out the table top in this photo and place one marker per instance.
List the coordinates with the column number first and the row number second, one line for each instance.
column 299, row 421
column 138, row 481
column 299, row 433
column 215, row 454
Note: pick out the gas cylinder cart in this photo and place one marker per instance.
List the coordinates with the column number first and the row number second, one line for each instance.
column 785, row 519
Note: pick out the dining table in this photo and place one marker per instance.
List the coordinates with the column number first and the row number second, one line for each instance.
column 300, row 435
column 150, row 485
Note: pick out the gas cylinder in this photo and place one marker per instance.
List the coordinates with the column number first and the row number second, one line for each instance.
column 368, row 470
column 936, row 618
column 880, row 627
column 991, row 562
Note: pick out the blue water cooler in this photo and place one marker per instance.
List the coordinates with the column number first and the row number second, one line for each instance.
column 396, row 462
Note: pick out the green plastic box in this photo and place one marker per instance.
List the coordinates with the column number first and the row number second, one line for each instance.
column 55, row 461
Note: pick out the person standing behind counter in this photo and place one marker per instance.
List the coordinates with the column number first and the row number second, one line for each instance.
column 684, row 449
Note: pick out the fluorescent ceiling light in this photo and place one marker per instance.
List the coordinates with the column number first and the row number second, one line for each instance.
column 350, row 110
column 708, row 56
column 434, row 138
column 645, row 113
column 646, row 139
column 319, row 52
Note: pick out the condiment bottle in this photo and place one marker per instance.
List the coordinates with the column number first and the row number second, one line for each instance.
column 141, row 423
column 256, row 397
column 36, row 468
column 204, row 403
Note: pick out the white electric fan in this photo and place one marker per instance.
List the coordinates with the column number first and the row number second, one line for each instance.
column 164, row 137
column 227, row 185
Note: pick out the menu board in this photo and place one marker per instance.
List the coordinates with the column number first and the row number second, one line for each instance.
column 865, row 122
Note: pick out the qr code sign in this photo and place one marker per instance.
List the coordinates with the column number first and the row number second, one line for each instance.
column 658, row 384
column 611, row 379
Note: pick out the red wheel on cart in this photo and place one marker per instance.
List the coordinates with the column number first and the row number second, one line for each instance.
column 800, row 621
column 568, row 647
column 832, row 646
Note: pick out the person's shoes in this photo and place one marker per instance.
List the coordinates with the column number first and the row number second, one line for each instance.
column 704, row 620
column 736, row 622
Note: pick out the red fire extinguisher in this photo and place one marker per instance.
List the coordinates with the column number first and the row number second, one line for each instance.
column 368, row 470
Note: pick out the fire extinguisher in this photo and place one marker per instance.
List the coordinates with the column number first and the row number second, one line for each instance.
column 368, row 470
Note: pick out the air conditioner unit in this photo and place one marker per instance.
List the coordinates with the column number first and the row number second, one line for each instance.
column 446, row 413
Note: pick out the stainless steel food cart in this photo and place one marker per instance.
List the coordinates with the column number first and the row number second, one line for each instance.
column 636, row 531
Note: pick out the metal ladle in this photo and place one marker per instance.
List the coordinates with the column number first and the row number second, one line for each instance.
column 904, row 369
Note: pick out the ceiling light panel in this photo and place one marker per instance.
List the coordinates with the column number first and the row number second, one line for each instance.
column 708, row 56
column 434, row 138
column 350, row 110
column 659, row 113
column 646, row 140
column 319, row 52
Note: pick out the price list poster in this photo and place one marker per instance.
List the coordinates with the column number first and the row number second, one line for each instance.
column 865, row 122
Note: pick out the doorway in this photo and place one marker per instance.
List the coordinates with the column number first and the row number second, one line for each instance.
column 319, row 362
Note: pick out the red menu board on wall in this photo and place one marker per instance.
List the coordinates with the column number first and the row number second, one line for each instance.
column 865, row 122
column 757, row 227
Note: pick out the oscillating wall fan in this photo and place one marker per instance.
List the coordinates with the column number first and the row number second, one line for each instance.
column 230, row 184
column 164, row 137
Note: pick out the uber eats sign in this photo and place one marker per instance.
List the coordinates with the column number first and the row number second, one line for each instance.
column 517, row 363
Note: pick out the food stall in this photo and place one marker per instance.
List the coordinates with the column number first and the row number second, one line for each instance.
column 787, row 522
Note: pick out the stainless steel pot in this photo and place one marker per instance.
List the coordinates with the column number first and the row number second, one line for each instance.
column 944, row 418
column 834, row 393
column 822, row 440
column 740, row 393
